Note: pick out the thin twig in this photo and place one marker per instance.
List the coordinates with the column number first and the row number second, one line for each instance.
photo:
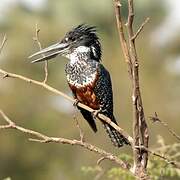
column 81, row 133
column 117, row 8
column 36, row 39
column 140, row 29
column 6, row 118
column 39, row 137
column 46, row 71
column 51, row 89
column 168, row 147
column 174, row 163
column 3, row 43
column 155, row 118
column 100, row 160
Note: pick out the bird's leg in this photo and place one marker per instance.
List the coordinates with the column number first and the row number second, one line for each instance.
column 96, row 112
column 75, row 103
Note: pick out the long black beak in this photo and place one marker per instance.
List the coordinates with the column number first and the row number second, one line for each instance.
column 50, row 52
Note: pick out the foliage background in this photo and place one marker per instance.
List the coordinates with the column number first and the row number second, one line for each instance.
column 34, row 108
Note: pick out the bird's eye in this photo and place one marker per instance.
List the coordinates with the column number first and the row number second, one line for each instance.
column 71, row 38
column 66, row 39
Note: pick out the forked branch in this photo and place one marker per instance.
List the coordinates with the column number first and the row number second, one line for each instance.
column 140, row 130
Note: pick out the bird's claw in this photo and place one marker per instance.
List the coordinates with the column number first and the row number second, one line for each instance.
column 96, row 112
column 75, row 103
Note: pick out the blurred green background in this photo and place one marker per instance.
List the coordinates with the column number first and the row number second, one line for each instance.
column 35, row 108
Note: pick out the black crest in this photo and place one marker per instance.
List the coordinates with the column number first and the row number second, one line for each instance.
column 84, row 35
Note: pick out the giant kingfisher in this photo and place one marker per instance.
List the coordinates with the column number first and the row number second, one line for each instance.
column 88, row 79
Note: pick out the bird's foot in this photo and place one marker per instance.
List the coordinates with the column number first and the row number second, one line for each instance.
column 75, row 103
column 96, row 112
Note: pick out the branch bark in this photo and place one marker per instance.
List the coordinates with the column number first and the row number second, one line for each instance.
column 120, row 27
column 140, row 129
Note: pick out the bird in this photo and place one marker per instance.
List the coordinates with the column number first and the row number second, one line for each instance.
column 88, row 79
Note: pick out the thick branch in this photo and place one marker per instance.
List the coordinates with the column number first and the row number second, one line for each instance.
column 140, row 131
column 49, row 88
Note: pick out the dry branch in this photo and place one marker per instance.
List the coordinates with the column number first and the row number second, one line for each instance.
column 3, row 43
column 155, row 118
column 140, row 130
column 39, row 137
column 120, row 26
column 36, row 39
column 140, row 29
column 161, row 156
column 51, row 89
column 81, row 133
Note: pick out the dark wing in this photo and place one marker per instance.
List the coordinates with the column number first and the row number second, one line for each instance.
column 104, row 94
column 103, row 91
column 88, row 116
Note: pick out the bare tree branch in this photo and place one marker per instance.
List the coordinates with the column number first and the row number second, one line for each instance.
column 100, row 160
column 173, row 163
column 51, row 89
column 140, row 29
column 81, row 133
column 117, row 7
column 3, row 43
column 36, row 39
column 140, row 130
column 39, row 137
column 155, row 118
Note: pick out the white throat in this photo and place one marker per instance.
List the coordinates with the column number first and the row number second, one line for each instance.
column 80, row 52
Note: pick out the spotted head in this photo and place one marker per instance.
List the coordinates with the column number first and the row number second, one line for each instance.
column 80, row 41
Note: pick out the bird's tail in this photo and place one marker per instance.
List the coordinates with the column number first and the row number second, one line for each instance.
column 117, row 139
